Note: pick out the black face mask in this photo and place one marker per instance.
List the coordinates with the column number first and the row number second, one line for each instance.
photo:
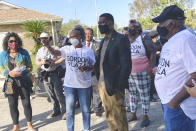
column 163, row 31
column 104, row 29
column 45, row 42
column 163, row 40
column 132, row 32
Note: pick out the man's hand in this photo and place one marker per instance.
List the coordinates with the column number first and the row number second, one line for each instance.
column 154, row 70
column 43, row 61
column 179, row 98
column 191, row 91
column 173, row 105
column 15, row 74
column 52, row 63
column 182, row 95
column 158, row 52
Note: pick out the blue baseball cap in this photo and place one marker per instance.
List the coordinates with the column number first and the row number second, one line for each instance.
column 170, row 12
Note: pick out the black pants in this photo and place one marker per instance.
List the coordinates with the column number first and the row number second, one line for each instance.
column 13, row 104
column 152, row 87
column 96, row 103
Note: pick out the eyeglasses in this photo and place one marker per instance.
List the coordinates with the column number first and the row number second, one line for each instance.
column 12, row 41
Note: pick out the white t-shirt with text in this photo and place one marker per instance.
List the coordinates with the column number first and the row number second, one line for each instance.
column 177, row 62
column 137, row 49
column 75, row 57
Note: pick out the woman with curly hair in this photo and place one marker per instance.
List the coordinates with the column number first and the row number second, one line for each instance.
column 15, row 65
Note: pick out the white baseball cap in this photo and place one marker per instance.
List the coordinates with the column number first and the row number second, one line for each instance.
column 44, row 34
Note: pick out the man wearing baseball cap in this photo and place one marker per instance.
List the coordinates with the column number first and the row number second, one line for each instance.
column 52, row 82
column 176, row 68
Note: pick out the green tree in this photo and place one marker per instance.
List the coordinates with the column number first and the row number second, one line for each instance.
column 142, row 8
column 65, row 28
column 35, row 28
column 95, row 31
column 159, row 5
column 191, row 19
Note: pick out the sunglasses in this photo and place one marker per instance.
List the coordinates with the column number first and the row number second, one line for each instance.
column 12, row 41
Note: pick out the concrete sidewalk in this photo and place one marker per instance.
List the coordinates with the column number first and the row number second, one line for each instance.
column 42, row 121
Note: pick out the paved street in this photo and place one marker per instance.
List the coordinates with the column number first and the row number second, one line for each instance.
column 42, row 121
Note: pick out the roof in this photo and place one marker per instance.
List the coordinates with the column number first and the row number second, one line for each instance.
column 8, row 5
column 20, row 15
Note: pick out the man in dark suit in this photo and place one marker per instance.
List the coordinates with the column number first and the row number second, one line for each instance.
column 113, row 68
column 90, row 42
column 96, row 103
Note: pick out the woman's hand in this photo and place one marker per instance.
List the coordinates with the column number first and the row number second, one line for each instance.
column 52, row 63
column 15, row 73
column 81, row 68
column 85, row 68
column 154, row 70
column 191, row 91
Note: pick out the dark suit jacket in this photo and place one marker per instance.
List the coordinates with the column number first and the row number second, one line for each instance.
column 94, row 47
column 116, row 63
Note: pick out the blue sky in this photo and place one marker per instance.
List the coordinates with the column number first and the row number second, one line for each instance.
column 84, row 10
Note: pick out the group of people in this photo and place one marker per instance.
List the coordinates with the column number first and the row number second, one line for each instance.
column 98, row 73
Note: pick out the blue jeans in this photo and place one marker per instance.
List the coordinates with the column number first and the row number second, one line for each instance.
column 176, row 120
column 84, row 97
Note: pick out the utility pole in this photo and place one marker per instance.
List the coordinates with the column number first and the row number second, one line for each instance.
column 97, row 19
column 53, row 36
column 169, row 2
column 75, row 15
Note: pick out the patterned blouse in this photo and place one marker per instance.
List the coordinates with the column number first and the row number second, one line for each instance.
column 22, row 59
